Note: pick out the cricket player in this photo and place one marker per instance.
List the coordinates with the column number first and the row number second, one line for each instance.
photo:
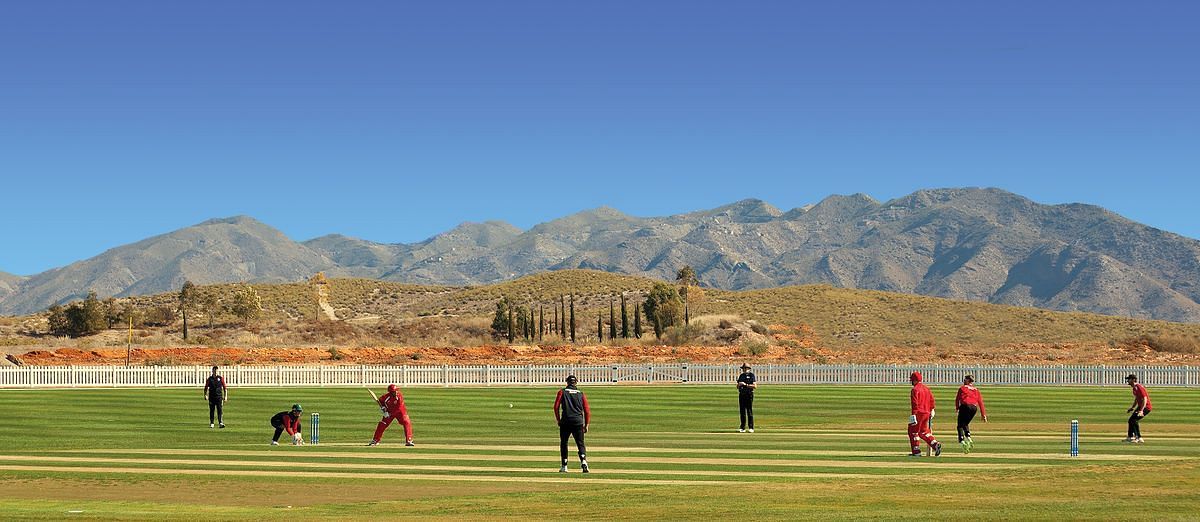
column 573, row 416
column 746, row 384
column 392, row 406
column 216, row 393
column 1139, row 410
column 922, row 412
column 290, row 422
column 967, row 403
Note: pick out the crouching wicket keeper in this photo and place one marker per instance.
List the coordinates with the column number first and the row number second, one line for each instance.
column 290, row 422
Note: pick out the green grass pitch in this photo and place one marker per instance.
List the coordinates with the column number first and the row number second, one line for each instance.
column 657, row 452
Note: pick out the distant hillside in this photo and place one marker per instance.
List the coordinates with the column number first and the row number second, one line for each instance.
column 837, row 317
column 219, row 250
column 8, row 283
column 983, row 245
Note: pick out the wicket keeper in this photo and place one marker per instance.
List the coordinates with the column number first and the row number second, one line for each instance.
column 392, row 405
column 1139, row 410
column 922, row 411
column 216, row 393
column 573, row 416
column 746, row 384
column 290, row 422
column 967, row 403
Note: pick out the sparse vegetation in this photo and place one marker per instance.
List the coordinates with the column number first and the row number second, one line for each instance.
column 1171, row 343
column 753, row 348
column 800, row 319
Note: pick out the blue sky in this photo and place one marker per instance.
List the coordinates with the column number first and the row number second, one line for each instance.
column 393, row 121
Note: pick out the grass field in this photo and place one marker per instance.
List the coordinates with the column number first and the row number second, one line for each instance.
column 656, row 452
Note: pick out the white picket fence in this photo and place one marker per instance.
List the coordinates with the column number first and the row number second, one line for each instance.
column 851, row 374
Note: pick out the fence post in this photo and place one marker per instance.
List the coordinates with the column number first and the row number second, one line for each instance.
column 446, row 376
column 614, row 374
column 72, row 370
column 686, row 373
column 487, row 375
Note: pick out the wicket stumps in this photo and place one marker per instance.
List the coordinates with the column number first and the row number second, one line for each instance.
column 1074, row 438
column 315, row 432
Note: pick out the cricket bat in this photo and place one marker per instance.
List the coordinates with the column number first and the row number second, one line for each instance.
column 376, row 397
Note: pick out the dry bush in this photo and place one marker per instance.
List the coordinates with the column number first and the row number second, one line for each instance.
column 1171, row 343
column 753, row 348
column 682, row 335
column 759, row 328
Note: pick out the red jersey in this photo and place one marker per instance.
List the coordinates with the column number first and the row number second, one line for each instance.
column 922, row 399
column 968, row 394
column 393, row 404
column 1140, row 395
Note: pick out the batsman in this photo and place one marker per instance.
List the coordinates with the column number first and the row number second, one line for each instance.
column 392, row 405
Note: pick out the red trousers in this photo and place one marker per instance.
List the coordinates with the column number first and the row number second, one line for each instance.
column 920, row 432
column 386, row 421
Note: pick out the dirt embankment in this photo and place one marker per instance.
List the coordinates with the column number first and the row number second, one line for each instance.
column 1028, row 353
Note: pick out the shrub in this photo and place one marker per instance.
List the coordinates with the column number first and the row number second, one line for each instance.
column 725, row 324
column 759, row 328
column 753, row 348
column 1171, row 343
column 683, row 334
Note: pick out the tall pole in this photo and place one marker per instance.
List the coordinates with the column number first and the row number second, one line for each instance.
column 129, row 343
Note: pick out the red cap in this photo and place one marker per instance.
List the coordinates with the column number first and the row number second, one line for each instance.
column 915, row 377
column 391, row 388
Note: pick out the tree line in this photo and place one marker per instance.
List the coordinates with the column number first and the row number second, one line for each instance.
column 92, row 315
column 665, row 306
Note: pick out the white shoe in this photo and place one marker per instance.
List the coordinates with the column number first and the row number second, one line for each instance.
column 274, row 443
column 751, row 430
column 211, row 425
column 563, row 469
column 741, row 430
column 1127, row 439
column 1139, row 440
column 583, row 465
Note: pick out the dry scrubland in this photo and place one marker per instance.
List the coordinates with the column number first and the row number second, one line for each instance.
column 384, row 322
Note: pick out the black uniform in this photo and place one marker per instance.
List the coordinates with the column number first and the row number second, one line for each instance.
column 571, row 408
column 214, row 387
column 746, row 398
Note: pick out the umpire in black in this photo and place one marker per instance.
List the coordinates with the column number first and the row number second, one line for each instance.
column 217, row 393
column 746, row 384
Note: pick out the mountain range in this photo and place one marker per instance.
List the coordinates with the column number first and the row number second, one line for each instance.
column 977, row 244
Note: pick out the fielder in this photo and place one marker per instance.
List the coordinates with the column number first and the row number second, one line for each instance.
column 967, row 403
column 573, row 416
column 918, row 423
column 1139, row 410
column 290, row 422
column 392, row 406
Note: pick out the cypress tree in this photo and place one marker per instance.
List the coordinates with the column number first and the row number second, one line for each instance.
column 624, row 319
column 541, row 322
column 599, row 327
column 511, row 332
column 637, row 320
column 554, row 325
column 612, row 320
column 572, row 317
